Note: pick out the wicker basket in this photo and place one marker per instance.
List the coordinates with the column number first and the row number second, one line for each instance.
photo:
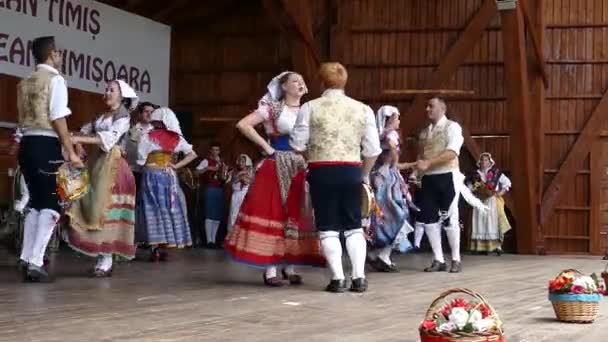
column 575, row 311
column 435, row 336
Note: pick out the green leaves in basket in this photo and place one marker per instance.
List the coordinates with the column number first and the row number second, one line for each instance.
column 468, row 328
column 441, row 320
column 595, row 279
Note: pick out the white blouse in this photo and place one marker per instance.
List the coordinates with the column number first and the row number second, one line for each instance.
column 147, row 146
column 286, row 120
column 108, row 130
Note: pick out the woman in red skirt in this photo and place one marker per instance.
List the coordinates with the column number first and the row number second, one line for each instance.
column 274, row 227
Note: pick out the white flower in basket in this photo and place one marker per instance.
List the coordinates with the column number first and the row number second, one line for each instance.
column 483, row 325
column 459, row 316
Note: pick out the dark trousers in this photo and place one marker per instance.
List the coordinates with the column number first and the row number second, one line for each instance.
column 39, row 159
column 437, row 194
column 335, row 191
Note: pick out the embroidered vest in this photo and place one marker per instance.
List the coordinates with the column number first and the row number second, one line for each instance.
column 434, row 145
column 337, row 126
column 33, row 100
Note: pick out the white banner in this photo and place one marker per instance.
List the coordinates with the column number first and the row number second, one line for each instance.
column 100, row 43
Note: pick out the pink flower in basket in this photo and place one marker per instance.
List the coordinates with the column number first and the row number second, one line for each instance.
column 577, row 289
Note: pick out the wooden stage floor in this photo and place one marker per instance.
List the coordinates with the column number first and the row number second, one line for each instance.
column 201, row 296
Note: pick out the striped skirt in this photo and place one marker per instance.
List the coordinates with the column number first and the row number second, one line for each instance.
column 103, row 221
column 162, row 215
column 269, row 231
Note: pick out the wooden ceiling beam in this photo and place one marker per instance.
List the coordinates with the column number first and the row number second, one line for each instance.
column 518, row 105
column 448, row 66
column 170, row 9
column 574, row 160
column 536, row 42
column 294, row 19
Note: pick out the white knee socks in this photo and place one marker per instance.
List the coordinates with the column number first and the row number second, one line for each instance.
column 47, row 220
column 211, row 227
column 29, row 235
column 271, row 272
column 384, row 254
column 357, row 249
column 418, row 234
column 433, row 231
column 332, row 250
column 104, row 262
column 453, row 233
column 290, row 270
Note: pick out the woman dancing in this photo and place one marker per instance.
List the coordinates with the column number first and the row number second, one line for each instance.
column 103, row 221
column 162, row 215
column 274, row 226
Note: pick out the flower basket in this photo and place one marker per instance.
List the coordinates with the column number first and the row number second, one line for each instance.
column 575, row 297
column 438, row 311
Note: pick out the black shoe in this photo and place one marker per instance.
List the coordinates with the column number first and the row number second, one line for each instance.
column 22, row 265
column 381, row 266
column 37, row 274
column 456, row 267
column 437, row 266
column 358, row 285
column 336, row 286
column 498, row 251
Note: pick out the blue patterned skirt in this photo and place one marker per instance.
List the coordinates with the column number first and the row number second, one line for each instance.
column 392, row 226
column 162, row 215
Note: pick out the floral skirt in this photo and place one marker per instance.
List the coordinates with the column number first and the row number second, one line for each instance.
column 269, row 232
column 103, row 221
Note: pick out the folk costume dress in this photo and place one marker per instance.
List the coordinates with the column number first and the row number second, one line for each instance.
column 488, row 229
column 274, row 226
column 162, row 215
column 103, row 221
column 389, row 228
column 240, row 181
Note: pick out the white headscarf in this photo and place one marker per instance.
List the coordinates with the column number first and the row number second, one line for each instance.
column 248, row 161
column 167, row 117
column 486, row 154
column 384, row 113
column 275, row 90
column 128, row 93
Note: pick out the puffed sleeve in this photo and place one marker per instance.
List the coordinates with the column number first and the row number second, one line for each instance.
column 203, row 165
column 504, row 183
column 263, row 111
column 183, row 146
column 144, row 148
column 111, row 137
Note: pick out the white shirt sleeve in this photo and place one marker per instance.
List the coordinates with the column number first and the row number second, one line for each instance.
column 144, row 148
column 393, row 137
column 111, row 137
column 370, row 144
column 183, row 146
column 504, row 183
column 203, row 165
column 300, row 134
column 455, row 138
column 263, row 111
column 87, row 129
column 58, row 99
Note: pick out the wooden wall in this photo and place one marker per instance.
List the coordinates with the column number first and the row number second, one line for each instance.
column 220, row 68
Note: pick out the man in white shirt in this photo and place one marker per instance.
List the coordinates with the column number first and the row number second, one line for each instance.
column 439, row 148
column 42, row 102
column 335, row 130
column 136, row 132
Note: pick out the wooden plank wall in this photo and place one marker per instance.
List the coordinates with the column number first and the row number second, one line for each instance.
column 578, row 66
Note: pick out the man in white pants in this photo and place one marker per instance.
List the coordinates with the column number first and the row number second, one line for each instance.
column 440, row 145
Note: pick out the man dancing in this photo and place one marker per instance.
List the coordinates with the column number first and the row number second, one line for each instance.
column 440, row 145
column 42, row 101
column 335, row 130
